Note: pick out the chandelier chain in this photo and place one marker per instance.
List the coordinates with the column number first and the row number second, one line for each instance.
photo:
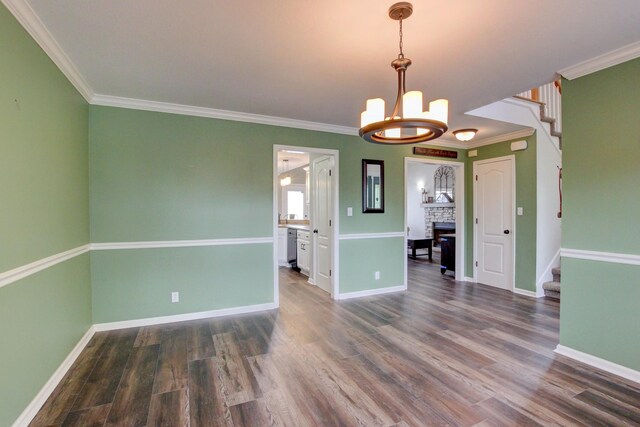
column 401, row 55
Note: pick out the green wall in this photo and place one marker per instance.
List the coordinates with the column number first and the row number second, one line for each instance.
column 601, row 147
column 136, row 283
column 525, row 262
column 357, row 273
column 44, row 193
column 157, row 176
column 42, row 318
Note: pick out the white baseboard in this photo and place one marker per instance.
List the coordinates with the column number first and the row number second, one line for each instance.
column 99, row 327
column 469, row 279
column 370, row 292
column 32, row 409
column 526, row 293
column 596, row 362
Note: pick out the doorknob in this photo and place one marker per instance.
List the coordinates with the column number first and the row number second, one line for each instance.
column 315, row 231
column 506, row 231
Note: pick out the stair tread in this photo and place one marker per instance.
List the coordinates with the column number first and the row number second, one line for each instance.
column 555, row 270
column 552, row 294
column 551, row 286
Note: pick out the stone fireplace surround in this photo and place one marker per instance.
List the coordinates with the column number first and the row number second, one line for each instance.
column 433, row 214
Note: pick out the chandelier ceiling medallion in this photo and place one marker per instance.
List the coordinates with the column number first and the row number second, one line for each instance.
column 408, row 123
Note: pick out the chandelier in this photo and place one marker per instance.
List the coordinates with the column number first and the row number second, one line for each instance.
column 408, row 123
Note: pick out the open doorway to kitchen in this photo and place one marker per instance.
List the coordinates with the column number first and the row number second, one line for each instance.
column 305, row 220
column 434, row 214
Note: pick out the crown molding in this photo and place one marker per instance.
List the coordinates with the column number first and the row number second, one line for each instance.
column 522, row 133
column 26, row 16
column 444, row 142
column 609, row 59
column 189, row 110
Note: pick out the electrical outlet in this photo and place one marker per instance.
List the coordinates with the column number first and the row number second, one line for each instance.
column 175, row 296
column 376, row 275
column 520, row 211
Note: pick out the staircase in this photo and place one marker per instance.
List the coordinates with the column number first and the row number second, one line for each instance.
column 525, row 110
column 548, row 98
column 552, row 289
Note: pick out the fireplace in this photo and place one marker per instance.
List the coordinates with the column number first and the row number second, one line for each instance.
column 442, row 228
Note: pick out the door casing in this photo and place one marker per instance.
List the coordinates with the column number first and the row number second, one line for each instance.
column 460, row 213
column 335, row 285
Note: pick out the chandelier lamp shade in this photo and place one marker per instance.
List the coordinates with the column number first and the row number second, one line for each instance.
column 408, row 123
column 465, row 134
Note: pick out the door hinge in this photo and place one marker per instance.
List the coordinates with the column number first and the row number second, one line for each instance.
column 476, row 177
column 476, row 220
column 329, row 172
column 329, row 273
column 329, row 223
column 476, row 263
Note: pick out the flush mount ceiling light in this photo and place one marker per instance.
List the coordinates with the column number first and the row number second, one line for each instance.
column 407, row 124
column 465, row 134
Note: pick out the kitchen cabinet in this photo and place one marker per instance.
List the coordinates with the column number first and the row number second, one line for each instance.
column 304, row 251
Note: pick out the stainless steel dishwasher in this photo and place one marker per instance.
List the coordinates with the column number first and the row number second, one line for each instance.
column 292, row 247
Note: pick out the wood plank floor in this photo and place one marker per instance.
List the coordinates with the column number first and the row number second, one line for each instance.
column 444, row 353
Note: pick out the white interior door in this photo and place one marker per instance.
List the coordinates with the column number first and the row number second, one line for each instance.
column 323, row 221
column 494, row 200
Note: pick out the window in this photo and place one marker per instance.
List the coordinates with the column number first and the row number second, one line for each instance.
column 444, row 184
column 295, row 204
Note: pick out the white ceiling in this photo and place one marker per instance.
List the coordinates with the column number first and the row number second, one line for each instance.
column 320, row 60
column 294, row 159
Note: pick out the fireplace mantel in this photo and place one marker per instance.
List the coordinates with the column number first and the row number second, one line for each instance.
column 437, row 205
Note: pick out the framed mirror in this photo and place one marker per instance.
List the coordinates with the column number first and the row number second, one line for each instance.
column 372, row 186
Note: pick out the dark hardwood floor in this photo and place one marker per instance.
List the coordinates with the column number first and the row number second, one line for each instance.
column 444, row 353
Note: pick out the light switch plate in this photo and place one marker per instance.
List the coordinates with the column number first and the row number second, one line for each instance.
column 349, row 211
column 520, row 211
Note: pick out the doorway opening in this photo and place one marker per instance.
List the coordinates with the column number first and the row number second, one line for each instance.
column 435, row 213
column 305, row 218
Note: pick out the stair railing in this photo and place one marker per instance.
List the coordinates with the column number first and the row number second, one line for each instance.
column 550, row 95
